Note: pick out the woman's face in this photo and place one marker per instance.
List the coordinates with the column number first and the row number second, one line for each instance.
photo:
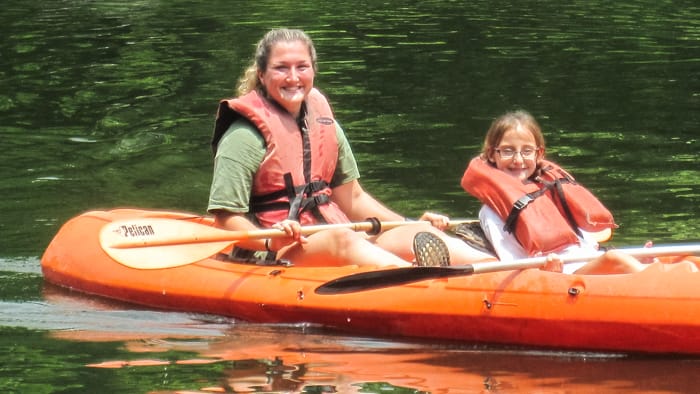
column 517, row 153
column 289, row 76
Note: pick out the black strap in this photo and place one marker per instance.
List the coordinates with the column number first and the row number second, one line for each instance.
column 295, row 196
column 557, row 193
column 518, row 206
column 313, row 187
column 300, row 199
column 565, row 206
column 521, row 204
column 248, row 256
column 306, row 142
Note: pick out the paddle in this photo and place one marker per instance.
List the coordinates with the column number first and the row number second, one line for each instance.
column 153, row 243
column 394, row 277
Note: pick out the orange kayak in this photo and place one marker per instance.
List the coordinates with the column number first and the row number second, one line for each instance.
column 654, row 311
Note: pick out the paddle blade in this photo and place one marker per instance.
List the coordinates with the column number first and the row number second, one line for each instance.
column 154, row 243
column 395, row 277
column 371, row 280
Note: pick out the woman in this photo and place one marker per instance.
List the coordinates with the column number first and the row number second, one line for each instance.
column 533, row 207
column 282, row 161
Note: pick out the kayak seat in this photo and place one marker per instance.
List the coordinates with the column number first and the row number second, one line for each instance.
column 474, row 236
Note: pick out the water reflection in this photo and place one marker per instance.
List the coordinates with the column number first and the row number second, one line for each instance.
column 173, row 352
column 255, row 358
column 179, row 351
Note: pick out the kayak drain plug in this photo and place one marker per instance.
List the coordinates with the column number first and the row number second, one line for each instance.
column 573, row 291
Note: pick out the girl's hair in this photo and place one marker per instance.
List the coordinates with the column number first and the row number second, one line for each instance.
column 249, row 81
column 508, row 121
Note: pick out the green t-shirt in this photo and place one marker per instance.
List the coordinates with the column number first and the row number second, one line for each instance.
column 238, row 157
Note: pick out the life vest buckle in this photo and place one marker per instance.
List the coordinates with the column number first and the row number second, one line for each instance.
column 522, row 202
column 321, row 199
column 518, row 206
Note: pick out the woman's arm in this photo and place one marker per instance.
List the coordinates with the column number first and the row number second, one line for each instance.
column 359, row 205
column 238, row 222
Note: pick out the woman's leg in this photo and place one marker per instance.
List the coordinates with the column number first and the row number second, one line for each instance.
column 399, row 242
column 340, row 247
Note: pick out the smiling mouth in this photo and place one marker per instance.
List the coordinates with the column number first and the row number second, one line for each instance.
column 517, row 172
column 292, row 90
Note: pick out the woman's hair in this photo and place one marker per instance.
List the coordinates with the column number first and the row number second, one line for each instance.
column 249, row 81
column 508, row 121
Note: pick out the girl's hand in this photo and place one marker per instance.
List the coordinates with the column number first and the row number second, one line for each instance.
column 553, row 263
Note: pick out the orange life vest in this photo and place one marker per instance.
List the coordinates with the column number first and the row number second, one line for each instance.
column 294, row 177
column 545, row 215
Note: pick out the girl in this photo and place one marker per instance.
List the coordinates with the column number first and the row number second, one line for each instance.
column 533, row 207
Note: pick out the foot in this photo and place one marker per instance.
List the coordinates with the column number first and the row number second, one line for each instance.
column 430, row 250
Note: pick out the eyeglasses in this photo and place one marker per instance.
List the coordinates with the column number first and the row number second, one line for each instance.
column 525, row 153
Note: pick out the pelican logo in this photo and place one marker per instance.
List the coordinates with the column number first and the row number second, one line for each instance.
column 325, row 121
column 136, row 230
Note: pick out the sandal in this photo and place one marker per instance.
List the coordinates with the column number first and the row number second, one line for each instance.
column 430, row 250
column 474, row 236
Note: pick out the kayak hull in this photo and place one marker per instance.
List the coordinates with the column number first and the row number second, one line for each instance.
column 655, row 311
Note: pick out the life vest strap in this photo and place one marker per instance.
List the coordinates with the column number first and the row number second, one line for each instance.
column 523, row 202
column 295, row 195
column 313, row 187
column 518, row 206
column 565, row 205
column 313, row 203
column 300, row 199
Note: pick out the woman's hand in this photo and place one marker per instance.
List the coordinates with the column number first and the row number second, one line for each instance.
column 437, row 220
column 293, row 230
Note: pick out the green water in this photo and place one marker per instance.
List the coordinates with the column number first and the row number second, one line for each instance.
column 111, row 104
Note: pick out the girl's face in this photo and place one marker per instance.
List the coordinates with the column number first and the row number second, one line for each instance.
column 517, row 153
column 289, row 76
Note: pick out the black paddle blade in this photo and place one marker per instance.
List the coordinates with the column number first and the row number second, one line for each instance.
column 386, row 278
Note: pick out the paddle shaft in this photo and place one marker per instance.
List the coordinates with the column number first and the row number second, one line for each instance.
column 157, row 243
column 395, row 277
column 536, row 262
column 207, row 234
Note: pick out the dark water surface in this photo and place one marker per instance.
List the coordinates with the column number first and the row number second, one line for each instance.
column 111, row 104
